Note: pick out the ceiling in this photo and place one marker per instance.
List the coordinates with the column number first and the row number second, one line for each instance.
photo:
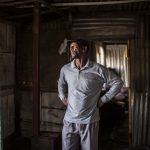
column 22, row 10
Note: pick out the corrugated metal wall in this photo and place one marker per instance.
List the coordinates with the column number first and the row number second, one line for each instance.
column 140, row 83
column 103, row 27
column 51, row 111
column 7, row 79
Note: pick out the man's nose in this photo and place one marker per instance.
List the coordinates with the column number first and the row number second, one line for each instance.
column 75, row 49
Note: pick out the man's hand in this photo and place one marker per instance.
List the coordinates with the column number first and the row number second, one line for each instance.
column 65, row 101
column 100, row 103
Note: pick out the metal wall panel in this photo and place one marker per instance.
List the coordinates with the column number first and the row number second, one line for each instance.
column 51, row 100
column 7, row 38
column 102, row 27
column 140, row 91
column 26, row 113
column 26, row 105
column 52, row 115
column 8, row 115
column 7, row 79
column 7, row 69
column 52, row 112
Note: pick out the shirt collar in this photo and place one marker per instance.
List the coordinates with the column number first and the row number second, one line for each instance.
column 73, row 64
column 88, row 64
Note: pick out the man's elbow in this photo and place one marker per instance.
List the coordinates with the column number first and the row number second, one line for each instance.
column 120, row 84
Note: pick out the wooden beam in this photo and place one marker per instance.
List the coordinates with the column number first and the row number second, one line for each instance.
column 29, row 14
column 97, row 24
column 13, row 3
column 114, row 13
column 6, row 1
column 97, row 3
column 46, row 4
column 25, row 6
column 104, row 19
column 36, row 69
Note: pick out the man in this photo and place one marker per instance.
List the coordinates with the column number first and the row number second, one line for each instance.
column 79, row 87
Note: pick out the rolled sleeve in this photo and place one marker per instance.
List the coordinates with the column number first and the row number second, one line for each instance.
column 115, row 84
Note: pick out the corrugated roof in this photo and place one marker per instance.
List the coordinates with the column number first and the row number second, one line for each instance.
column 20, row 9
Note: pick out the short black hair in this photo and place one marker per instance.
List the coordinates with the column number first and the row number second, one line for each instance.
column 81, row 42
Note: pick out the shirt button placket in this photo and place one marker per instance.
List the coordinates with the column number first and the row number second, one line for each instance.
column 78, row 74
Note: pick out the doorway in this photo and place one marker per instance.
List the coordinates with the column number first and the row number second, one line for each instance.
column 114, row 124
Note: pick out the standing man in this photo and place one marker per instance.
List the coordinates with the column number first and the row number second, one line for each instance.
column 79, row 87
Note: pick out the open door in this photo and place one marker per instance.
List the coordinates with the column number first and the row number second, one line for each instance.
column 114, row 124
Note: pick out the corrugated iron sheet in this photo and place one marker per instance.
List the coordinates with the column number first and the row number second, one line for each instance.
column 140, row 91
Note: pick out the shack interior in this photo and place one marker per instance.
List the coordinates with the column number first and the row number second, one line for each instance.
column 33, row 48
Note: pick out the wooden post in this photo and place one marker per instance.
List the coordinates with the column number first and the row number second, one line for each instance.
column 1, row 141
column 36, row 69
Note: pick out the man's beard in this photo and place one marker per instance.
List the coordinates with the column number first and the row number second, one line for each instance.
column 74, row 56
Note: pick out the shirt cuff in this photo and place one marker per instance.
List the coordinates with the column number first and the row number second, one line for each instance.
column 104, row 99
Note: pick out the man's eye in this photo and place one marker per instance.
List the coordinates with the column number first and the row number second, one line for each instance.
column 72, row 48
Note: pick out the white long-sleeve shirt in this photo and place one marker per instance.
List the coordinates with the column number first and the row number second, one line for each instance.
column 83, row 88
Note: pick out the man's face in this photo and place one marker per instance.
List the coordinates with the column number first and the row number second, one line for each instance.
column 75, row 50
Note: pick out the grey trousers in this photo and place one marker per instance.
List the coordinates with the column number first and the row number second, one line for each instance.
column 76, row 135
